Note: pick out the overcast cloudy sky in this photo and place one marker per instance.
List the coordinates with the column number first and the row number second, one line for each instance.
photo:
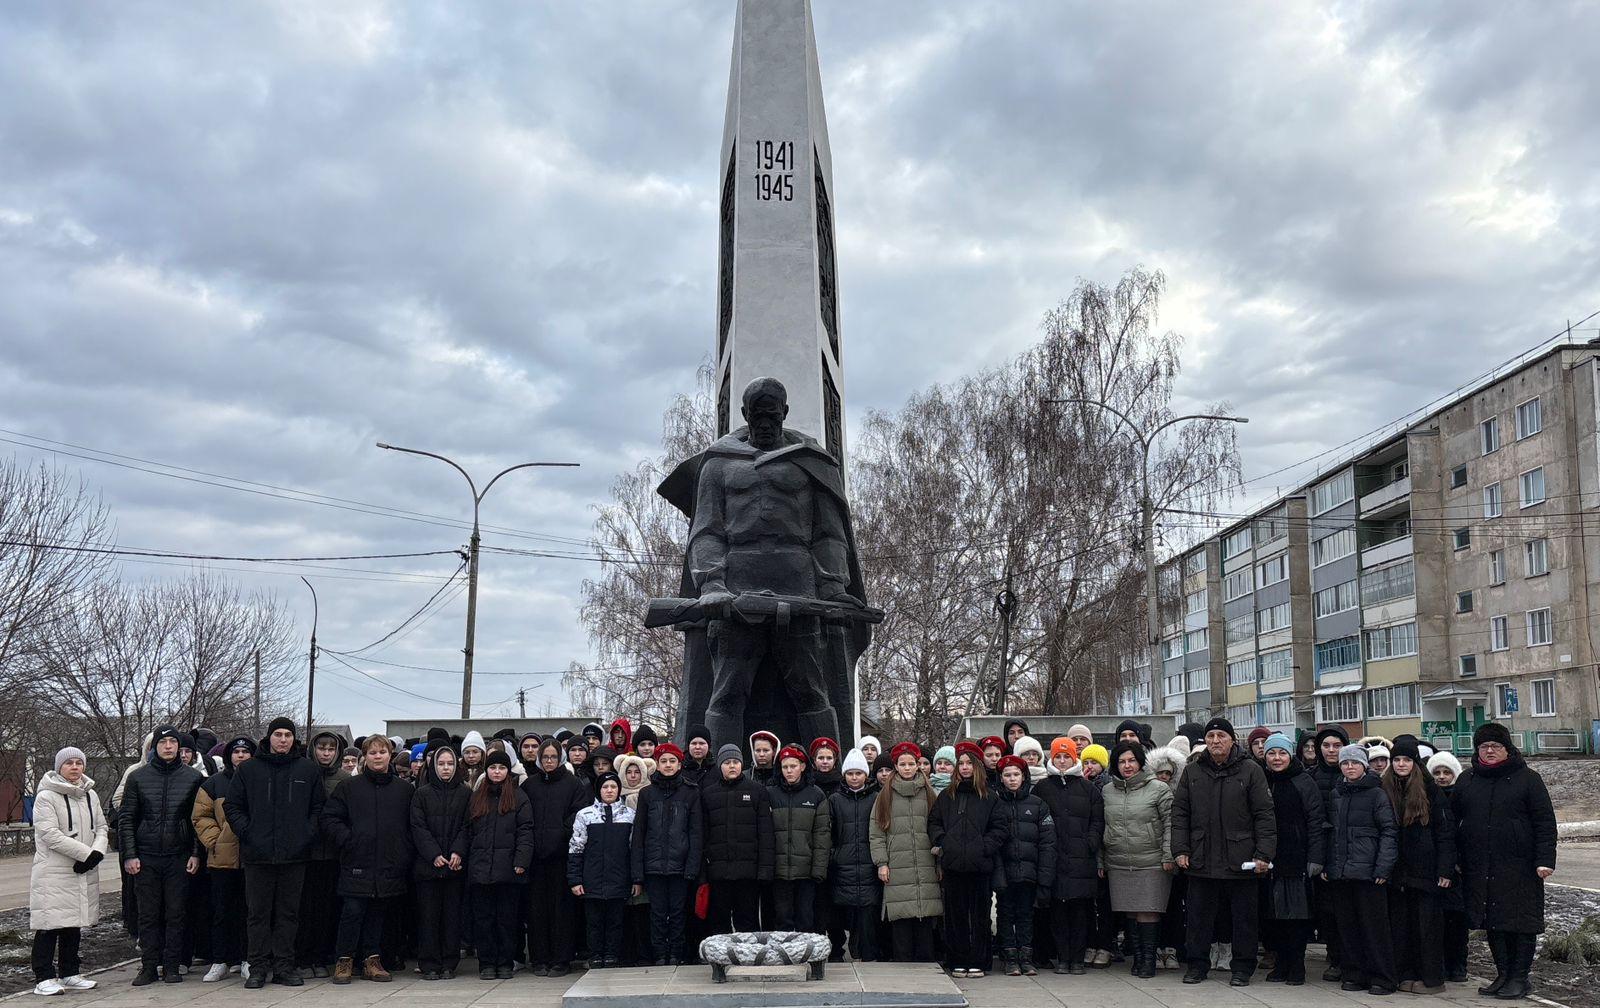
column 253, row 239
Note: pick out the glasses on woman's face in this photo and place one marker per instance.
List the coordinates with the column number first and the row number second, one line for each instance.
column 1492, row 748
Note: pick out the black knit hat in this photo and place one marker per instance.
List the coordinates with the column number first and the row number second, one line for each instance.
column 280, row 722
column 1017, row 722
column 165, row 731
column 186, row 741
column 577, row 742
column 1126, row 745
column 1493, row 731
column 242, row 742
column 1218, row 724
column 697, row 731
column 439, row 734
column 644, row 733
column 883, row 762
column 497, row 757
column 1405, row 745
column 608, row 776
column 562, row 735
column 1193, row 732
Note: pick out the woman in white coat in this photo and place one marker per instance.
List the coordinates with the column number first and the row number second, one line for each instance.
column 69, row 842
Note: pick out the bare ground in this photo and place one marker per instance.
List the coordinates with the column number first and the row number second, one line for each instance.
column 105, row 944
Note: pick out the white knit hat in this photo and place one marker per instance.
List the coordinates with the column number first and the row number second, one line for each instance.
column 853, row 760
column 1027, row 744
column 1181, row 746
column 70, row 752
column 1374, row 752
column 872, row 739
column 1444, row 759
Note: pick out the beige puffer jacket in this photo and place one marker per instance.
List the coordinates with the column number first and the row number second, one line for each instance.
column 913, row 887
column 68, row 823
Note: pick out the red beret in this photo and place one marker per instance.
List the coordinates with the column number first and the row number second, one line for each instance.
column 791, row 752
column 993, row 740
column 1016, row 761
column 824, row 743
column 970, row 748
column 667, row 747
column 904, row 749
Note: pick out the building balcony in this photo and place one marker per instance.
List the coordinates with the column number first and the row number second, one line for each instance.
column 1383, row 552
column 1375, row 501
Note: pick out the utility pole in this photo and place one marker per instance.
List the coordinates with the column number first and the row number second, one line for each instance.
column 1147, row 512
column 472, row 554
column 522, row 704
column 1005, row 604
column 258, row 689
column 311, row 679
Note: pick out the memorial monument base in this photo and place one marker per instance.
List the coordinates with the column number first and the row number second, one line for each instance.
column 904, row 985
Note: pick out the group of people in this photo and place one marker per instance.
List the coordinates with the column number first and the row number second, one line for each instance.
column 282, row 857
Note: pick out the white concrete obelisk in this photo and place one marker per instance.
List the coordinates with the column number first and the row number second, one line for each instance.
column 778, row 295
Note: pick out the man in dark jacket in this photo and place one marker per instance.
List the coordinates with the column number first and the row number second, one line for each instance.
column 319, row 915
column 668, row 842
column 368, row 820
column 160, row 852
column 555, row 796
column 738, row 844
column 274, row 804
column 1506, row 840
column 1224, row 835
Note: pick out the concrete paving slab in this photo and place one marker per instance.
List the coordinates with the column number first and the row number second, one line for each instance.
column 692, row 987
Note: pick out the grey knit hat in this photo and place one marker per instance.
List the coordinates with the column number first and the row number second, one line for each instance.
column 70, row 752
column 1355, row 753
column 729, row 752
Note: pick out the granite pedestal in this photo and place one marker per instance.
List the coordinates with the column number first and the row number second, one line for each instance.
column 856, row 985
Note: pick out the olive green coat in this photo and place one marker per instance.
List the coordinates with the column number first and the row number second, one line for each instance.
column 913, row 886
column 1138, row 822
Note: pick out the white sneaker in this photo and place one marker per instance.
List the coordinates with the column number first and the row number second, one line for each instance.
column 45, row 988
column 218, row 971
column 78, row 982
column 244, row 970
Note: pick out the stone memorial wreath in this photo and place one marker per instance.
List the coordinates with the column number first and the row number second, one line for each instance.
column 766, row 948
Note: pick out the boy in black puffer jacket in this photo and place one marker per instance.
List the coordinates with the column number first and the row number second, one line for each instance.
column 667, row 845
column 1028, row 863
column 1362, row 850
column 800, row 832
column 738, row 844
column 600, row 869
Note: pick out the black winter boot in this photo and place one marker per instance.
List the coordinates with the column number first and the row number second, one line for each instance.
column 1026, row 955
column 1496, row 940
column 1521, row 948
column 1013, row 962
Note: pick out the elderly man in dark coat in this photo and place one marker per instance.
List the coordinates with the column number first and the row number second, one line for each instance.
column 1224, row 834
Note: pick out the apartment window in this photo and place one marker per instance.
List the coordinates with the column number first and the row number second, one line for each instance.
column 1195, row 640
column 1241, row 672
column 1536, row 557
column 1330, row 548
column 1340, row 707
column 1194, row 563
column 1172, row 685
column 1461, row 538
column 1544, row 697
column 1391, row 642
column 1241, row 714
column 1195, row 602
column 1277, row 712
column 1392, row 701
column 1386, row 584
column 1240, row 628
column 1270, row 527
column 1530, row 418
column 1334, row 655
column 1331, row 494
column 1499, row 633
column 1336, row 599
column 1172, row 647
column 1273, row 571
column 1272, row 618
column 1235, row 585
column 1468, row 665
column 1497, row 567
column 1276, row 666
column 1491, row 501
column 1458, row 477
column 1539, row 627
column 1463, row 602
column 1533, row 487
column 1502, row 699
column 1199, row 679
column 1489, row 434
column 1237, row 543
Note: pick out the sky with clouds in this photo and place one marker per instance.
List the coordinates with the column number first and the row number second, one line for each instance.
column 252, row 240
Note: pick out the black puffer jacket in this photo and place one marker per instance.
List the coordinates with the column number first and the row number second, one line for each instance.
column 1364, row 841
column 968, row 830
column 497, row 843
column 600, row 855
column 368, row 820
column 737, row 830
column 1427, row 850
column 154, row 819
column 1030, row 851
column 1222, row 816
column 695, row 771
column 668, row 837
column 274, row 805
column 439, row 825
column 1326, row 774
column 1078, row 810
column 1507, row 831
column 323, row 848
column 801, row 829
column 852, row 878
column 554, row 799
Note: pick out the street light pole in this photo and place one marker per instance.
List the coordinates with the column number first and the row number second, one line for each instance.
column 472, row 553
column 311, row 679
column 1147, row 508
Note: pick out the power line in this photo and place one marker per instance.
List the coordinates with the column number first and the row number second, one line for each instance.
column 176, row 555
column 417, row 612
